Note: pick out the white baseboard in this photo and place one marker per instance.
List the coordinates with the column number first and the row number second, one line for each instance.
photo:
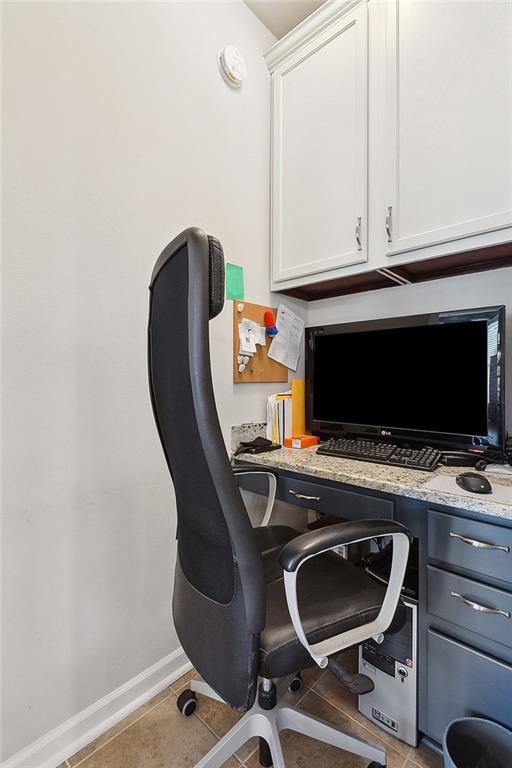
column 63, row 741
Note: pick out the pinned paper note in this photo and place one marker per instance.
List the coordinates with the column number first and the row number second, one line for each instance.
column 250, row 334
column 247, row 342
column 234, row 281
column 285, row 347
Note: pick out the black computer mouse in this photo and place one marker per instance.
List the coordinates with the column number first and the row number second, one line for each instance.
column 473, row 482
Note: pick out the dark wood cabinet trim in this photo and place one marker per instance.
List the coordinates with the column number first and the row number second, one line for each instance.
column 479, row 260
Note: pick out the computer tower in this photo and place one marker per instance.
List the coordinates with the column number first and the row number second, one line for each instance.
column 393, row 667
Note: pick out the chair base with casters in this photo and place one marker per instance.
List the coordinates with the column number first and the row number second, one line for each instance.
column 267, row 718
column 269, row 715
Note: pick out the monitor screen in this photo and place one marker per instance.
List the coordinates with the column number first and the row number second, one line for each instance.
column 431, row 378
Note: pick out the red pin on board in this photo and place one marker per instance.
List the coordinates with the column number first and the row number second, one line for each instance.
column 268, row 321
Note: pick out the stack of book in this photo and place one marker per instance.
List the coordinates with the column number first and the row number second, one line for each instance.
column 285, row 413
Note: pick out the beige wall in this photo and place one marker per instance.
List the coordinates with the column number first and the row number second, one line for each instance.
column 118, row 133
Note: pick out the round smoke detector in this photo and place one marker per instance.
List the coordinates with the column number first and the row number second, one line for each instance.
column 232, row 65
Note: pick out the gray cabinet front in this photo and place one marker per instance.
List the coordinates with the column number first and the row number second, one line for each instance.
column 334, row 501
column 484, row 548
column 464, row 682
column 469, row 604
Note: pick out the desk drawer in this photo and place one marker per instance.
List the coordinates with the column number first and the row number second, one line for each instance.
column 485, row 548
column 464, row 682
column 471, row 605
column 333, row 501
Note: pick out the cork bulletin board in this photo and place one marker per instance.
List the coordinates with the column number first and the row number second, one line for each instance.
column 260, row 367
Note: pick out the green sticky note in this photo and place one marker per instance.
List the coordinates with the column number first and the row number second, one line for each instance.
column 234, row 281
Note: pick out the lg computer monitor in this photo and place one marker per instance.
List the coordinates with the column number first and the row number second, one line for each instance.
column 437, row 378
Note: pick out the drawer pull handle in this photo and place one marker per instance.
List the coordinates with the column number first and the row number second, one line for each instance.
column 478, row 544
column 478, row 607
column 303, row 496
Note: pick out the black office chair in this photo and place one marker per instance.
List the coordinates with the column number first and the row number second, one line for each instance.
column 248, row 602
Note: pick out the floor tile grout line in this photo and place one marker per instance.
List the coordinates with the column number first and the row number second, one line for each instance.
column 251, row 754
column 218, row 737
column 308, row 690
column 346, row 714
column 415, row 764
column 119, row 732
column 206, row 725
column 338, row 709
column 320, row 676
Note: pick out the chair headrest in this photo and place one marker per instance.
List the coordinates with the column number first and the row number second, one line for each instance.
column 197, row 241
column 216, row 276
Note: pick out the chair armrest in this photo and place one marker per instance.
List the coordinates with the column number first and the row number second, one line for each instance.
column 302, row 548
column 323, row 539
column 241, row 469
column 252, row 469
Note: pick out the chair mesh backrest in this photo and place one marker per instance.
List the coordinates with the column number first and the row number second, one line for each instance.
column 204, row 544
column 217, row 553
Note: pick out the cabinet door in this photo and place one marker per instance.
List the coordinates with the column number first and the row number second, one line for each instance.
column 448, row 114
column 464, row 682
column 319, row 151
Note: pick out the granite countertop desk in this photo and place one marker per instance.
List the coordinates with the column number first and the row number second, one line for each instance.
column 394, row 480
column 430, row 505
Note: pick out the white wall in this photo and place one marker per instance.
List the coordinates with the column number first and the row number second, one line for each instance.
column 478, row 290
column 118, row 133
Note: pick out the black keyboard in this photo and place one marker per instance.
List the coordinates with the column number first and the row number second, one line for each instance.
column 381, row 453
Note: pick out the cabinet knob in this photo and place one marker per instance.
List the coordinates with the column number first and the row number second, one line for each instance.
column 388, row 223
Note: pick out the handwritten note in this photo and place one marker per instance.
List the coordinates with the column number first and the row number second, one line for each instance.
column 285, row 347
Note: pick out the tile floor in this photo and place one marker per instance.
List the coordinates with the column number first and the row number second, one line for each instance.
column 158, row 736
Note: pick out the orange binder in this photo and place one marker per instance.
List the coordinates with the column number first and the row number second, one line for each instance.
column 298, row 407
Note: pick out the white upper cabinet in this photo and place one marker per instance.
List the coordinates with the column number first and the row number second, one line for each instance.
column 447, row 161
column 319, row 150
column 391, row 140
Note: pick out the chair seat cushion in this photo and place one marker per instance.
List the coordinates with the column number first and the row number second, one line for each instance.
column 334, row 596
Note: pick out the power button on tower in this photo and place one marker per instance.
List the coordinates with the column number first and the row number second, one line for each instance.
column 402, row 672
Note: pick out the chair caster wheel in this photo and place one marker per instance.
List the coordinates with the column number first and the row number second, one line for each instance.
column 187, row 702
column 295, row 684
column 376, row 765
